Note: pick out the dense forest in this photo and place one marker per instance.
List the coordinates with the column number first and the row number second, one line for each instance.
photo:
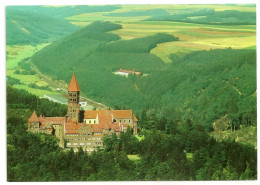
column 62, row 12
column 32, row 28
column 181, row 105
column 205, row 85
column 170, row 150
column 39, row 24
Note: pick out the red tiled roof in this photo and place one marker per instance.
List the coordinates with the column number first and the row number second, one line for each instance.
column 91, row 114
column 46, row 125
column 105, row 120
column 53, row 120
column 72, row 128
column 96, row 128
column 121, row 113
column 128, row 71
column 115, row 126
column 135, row 119
column 33, row 117
column 74, row 86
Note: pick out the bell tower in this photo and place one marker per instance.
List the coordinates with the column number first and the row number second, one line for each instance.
column 73, row 100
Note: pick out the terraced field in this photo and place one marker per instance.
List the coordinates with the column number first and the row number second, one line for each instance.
column 192, row 36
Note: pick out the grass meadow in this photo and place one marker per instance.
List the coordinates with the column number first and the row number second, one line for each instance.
column 16, row 53
column 192, row 36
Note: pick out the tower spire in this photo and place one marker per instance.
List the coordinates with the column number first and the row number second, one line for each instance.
column 73, row 86
column 73, row 100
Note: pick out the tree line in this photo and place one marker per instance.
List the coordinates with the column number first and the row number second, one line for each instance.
column 170, row 150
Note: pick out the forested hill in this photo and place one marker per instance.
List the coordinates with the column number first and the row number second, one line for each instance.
column 33, row 28
column 62, row 12
column 176, row 152
column 203, row 85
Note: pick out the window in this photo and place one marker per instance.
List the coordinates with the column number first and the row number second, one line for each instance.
column 129, row 121
column 89, row 121
column 94, row 121
column 124, row 121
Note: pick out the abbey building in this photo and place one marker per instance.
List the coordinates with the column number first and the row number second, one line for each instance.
column 83, row 128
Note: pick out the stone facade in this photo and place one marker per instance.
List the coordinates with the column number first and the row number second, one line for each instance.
column 74, row 131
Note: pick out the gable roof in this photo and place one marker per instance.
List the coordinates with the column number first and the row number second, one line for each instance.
column 72, row 128
column 34, row 117
column 105, row 120
column 121, row 113
column 73, row 86
column 128, row 71
column 92, row 114
column 53, row 120
column 135, row 119
column 96, row 128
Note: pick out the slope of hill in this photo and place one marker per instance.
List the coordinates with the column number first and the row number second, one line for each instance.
column 33, row 157
column 203, row 85
column 210, row 16
column 32, row 28
column 62, row 12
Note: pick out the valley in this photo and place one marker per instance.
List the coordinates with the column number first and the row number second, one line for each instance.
column 198, row 91
column 97, row 56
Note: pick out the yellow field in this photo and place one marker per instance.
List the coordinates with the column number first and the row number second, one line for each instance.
column 171, row 8
column 192, row 36
column 87, row 18
column 216, row 7
column 233, row 42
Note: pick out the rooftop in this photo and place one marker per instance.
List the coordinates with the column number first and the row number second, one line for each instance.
column 34, row 117
column 73, row 86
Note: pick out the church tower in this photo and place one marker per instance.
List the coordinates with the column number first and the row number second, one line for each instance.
column 73, row 100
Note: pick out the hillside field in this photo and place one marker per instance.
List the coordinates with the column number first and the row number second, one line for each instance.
column 195, row 98
column 192, row 36
column 189, row 55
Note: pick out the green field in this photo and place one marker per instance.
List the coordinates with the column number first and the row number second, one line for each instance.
column 192, row 36
column 199, row 85
column 16, row 53
column 133, row 157
column 127, row 37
